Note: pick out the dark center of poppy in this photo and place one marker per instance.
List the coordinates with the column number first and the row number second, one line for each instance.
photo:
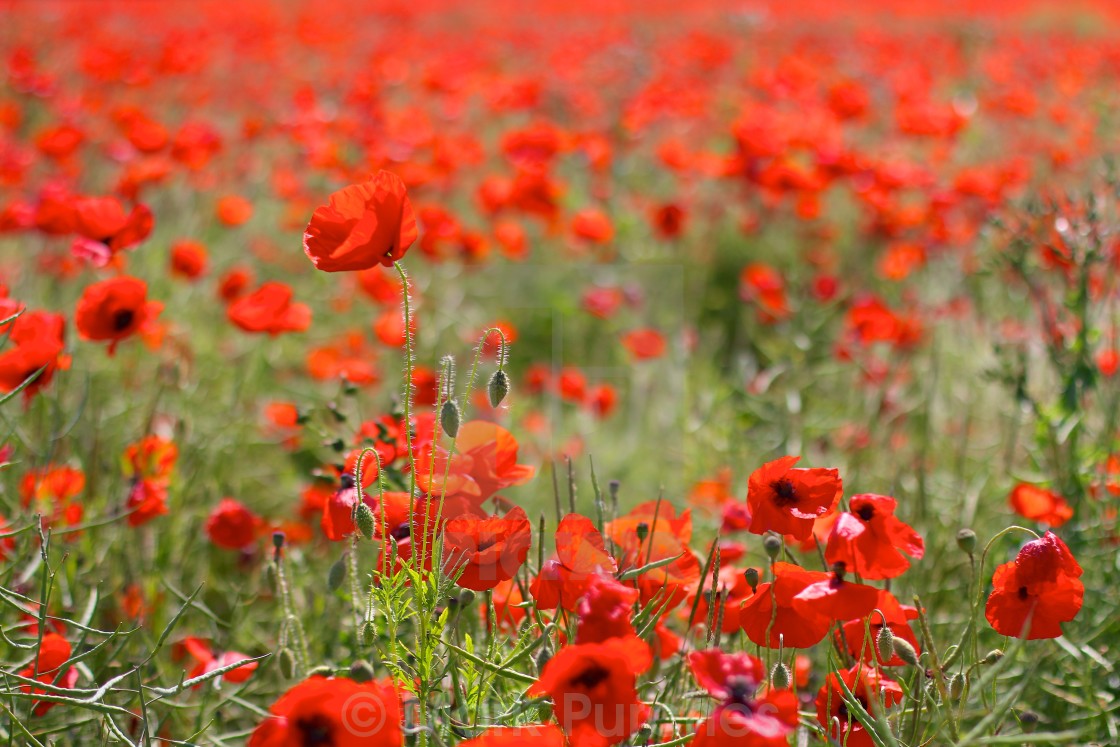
column 838, row 571
column 485, row 543
column 346, row 482
column 402, row 531
column 739, row 690
column 784, row 493
column 122, row 320
column 866, row 512
column 314, row 730
column 1024, row 593
column 590, row 677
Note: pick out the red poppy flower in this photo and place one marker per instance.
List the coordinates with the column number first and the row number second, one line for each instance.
column 788, row 500
column 650, row 532
column 151, row 457
column 333, row 711
column 533, row 735
column 234, row 210
column 114, row 310
column 605, row 610
column 207, row 661
column 787, row 624
column 56, row 486
column 270, row 309
column 763, row 286
column 53, row 653
column 1039, row 504
column 581, row 555
column 147, row 499
column 836, row 598
column 188, row 259
column 234, row 282
column 231, row 525
column 730, row 580
column 741, row 719
column 592, row 224
column 102, row 220
column 593, row 691
column 668, row 220
column 35, row 341
column 869, row 687
column 1037, row 592
column 644, row 344
column 870, row 541
column 487, row 550
column 364, row 224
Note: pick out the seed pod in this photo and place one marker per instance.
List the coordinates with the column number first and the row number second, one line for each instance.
column 966, row 540
column 449, row 418
column 751, row 574
column 992, row 657
column 543, row 658
column 278, row 540
column 363, row 519
column 780, row 676
column 287, row 664
column 498, row 387
column 956, row 686
column 885, row 643
column 642, row 530
column 361, row 671
column 905, row 651
column 772, row 544
column 337, row 573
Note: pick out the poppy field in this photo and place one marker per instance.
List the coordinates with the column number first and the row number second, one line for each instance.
column 573, row 374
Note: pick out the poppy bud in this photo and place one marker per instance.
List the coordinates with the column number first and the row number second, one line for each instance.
column 905, row 651
column 1028, row 720
column 644, row 733
column 367, row 633
column 361, row 671
column 956, row 686
column 449, row 418
column 363, row 519
column 966, row 540
column 543, row 658
column 270, row 577
column 337, row 573
column 498, row 387
column 323, row 670
column 993, row 656
column 885, row 643
column 642, row 530
column 780, row 676
column 772, row 544
column 751, row 574
column 278, row 540
column 287, row 664
column 466, row 596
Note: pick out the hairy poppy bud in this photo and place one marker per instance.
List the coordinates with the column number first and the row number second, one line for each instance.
column 905, row 651
column 367, row 633
column 751, row 574
column 337, row 573
column 543, row 658
column 780, row 676
column 287, row 664
column 498, row 387
column 323, row 670
column 449, row 418
column 465, row 598
column 361, row 671
column 956, row 686
column 992, row 657
column 966, row 540
column 885, row 643
column 363, row 519
column 772, row 544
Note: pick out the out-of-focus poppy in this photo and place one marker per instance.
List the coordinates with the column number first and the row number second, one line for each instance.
column 231, row 525
column 316, row 711
column 1039, row 504
column 270, row 309
column 52, row 654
